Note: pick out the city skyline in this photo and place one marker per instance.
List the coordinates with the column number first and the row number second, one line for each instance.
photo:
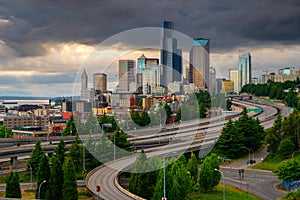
column 41, row 55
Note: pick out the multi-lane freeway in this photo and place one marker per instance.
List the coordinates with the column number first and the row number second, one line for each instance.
column 106, row 176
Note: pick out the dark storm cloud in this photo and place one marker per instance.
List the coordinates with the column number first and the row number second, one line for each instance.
column 229, row 24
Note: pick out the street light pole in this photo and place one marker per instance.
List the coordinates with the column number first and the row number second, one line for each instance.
column 249, row 155
column 165, row 178
column 224, row 188
column 39, row 193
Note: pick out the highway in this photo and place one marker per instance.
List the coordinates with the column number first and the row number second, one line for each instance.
column 106, row 176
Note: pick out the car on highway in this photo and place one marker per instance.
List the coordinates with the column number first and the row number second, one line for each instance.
column 251, row 162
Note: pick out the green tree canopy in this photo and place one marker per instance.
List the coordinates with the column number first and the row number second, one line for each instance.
column 35, row 157
column 289, row 170
column 70, row 184
column 43, row 173
column 13, row 189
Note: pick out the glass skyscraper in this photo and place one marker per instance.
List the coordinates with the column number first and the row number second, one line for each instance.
column 171, row 60
column 199, row 63
column 244, row 68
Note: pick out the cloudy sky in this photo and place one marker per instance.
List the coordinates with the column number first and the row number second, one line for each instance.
column 44, row 43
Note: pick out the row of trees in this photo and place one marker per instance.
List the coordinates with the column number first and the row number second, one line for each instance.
column 240, row 136
column 181, row 176
column 275, row 90
column 56, row 176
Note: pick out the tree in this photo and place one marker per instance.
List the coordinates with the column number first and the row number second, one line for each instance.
column 178, row 115
column 286, row 147
column 43, row 173
column 121, row 140
column 70, row 127
column 228, row 104
column 289, row 170
column 274, row 135
column 231, row 141
column 214, row 162
column 4, row 131
column 56, row 180
column 70, row 184
column 202, row 110
column 193, row 167
column 13, row 189
column 59, row 151
column 168, row 111
column 35, row 157
column 206, row 175
column 76, row 154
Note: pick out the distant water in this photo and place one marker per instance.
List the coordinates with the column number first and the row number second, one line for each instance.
column 11, row 103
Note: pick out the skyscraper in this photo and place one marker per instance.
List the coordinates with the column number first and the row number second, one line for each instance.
column 126, row 74
column 170, row 56
column 199, row 63
column 212, row 80
column 100, row 82
column 84, row 85
column 234, row 77
column 244, row 67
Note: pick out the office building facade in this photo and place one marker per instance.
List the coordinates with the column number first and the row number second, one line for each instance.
column 100, row 82
column 244, row 68
column 199, row 63
column 126, row 74
column 234, row 77
column 171, row 60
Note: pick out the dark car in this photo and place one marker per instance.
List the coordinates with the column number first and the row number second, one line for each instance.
column 251, row 162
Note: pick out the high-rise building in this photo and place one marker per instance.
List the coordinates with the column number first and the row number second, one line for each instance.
column 244, row 67
column 126, row 74
column 212, row 80
column 227, row 86
column 151, row 75
column 84, row 85
column 100, row 82
column 171, row 60
column 234, row 77
column 199, row 63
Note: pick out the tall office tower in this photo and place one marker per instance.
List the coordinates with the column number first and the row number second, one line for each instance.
column 171, row 60
column 234, row 77
column 151, row 75
column 212, row 80
column 199, row 63
column 100, row 82
column 84, row 85
column 126, row 74
column 244, row 67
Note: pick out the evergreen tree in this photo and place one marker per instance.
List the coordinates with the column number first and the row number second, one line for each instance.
column 56, row 180
column 35, row 157
column 59, row 151
column 70, row 127
column 70, row 184
column 202, row 110
column 76, row 154
column 286, row 147
column 274, row 135
column 206, row 175
column 214, row 163
column 13, row 189
column 4, row 131
column 43, row 173
column 193, row 167
column 231, row 141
